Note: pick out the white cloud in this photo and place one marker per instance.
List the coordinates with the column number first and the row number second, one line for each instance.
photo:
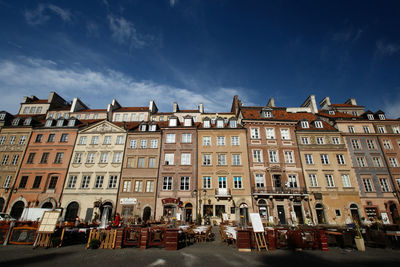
column 386, row 48
column 40, row 14
column 172, row 3
column 392, row 106
column 124, row 32
column 30, row 76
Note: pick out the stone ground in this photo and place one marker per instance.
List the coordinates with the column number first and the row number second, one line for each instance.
column 200, row 254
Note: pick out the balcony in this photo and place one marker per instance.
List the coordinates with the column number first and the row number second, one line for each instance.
column 222, row 193
column 279, row 191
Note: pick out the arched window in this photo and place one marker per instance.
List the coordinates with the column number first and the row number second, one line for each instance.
column 72, row 212
column 47, row 205
column 320, row 213
column 17, row 209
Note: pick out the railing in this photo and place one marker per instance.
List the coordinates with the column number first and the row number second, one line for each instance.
column 279, row 190
column 221, row 192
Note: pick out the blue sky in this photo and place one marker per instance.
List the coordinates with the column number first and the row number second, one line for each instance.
column 201, row 51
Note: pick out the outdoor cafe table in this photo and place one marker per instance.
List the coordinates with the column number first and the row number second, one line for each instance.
column 231, row 231
column 200, row 229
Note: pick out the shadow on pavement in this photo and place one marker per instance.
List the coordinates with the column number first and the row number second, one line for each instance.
column 34, row 259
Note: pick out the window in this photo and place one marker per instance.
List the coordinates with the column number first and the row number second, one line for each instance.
column 36, row 182
column 133, row 143
column 260, row 182
column 7, row 181
column 126, row 186
column 64, row 138
column 141, row 116
column 346, row 180
column 351, row 129
column 235, row 140
column 387, row 144
column 107, row 140
column 90, row 157
column 138, row 186
column 304, row 124
column 78, row 157
column 172, row 122
column 170, row 138
column 95, row 140
column 220, row 123
column 381, row 129
column 340, row 159
column 71, row 122
column 185, row 159
column 186, row 138
column 125, row 117
column 143, row 143
column 45, row 157
column 152, row 162
column 366, row 129
column 285, row 135
column 370, row 116
column 14, row 160
column 320, row 140
column 318, row 124
column 48, row 123
column 150, row 186
column 393, row 162
column 153, row 127
column 15, row 122
column 270, row 132
column 51, row 138
column 31, row 157
column 377, row 161
column 384, row 185
column 120, row 140
column 87, row 116
column 221, row 159
column 292, row 181
column 356, row 144
column 305, row 140
column 167, row 183
column 2, row 140
column 220, row 140
column 396, row 129
column 254, row 133
column 206, row 124
column 33, row 109
column 117, row 117
column 206, row 141
column 257, row 156
column 236, row 160
column 12, row 139
column 398, row 182
column 99, row 181
column 153, row 143
column 237, row 182
column 289, row 157
column 113, row 181
column 185, row 183
column 273, row 156
column 313, row 180
column 5, row 159
column 221, row 182
column 38, row 138
column 104, row 157
column 329, row 180
column 361, row 162
column 22, row 183
column 207, row 159
column 53, row 182
column 381, row 116
column 2, row 116
column 85, row 181
column 60, row 123
column 169, row 159
column 59, row 157
column 206, row 182
column 82, row 140
column 324, row 159
column 371, row 144
column 117, row 157
column 95, row 116
column 72, row 181
column 232, row 124
column 26, row 110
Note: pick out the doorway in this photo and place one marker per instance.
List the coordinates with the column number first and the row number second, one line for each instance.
column 17, row 209
column 299, row 213
column 394, row 213
column 72, row 211
column 188, row 212
column 277, row 180
column 320, row 213
column 281, row 214
column 146, row 214
column 354, row 213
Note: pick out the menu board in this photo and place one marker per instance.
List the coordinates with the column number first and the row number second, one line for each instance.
column 49, row 222
column 256, row 222
column 22, row 236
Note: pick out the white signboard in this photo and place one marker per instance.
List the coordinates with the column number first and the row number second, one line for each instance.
column 256, row 222
column 385, row 218
column 49, row 222
column 271, row 219
column 128, row 201
column 225, row 216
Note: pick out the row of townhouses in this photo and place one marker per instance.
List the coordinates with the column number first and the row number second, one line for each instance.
column 312, row 164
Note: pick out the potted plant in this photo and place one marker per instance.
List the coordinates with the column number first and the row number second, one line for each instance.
column 359, row 240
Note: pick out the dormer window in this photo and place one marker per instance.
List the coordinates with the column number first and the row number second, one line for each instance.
column 87, row 116
column 232, row 124
column 66, row 115
column 188, row 122
column 58, row 115
column 2, row 116
column 39, row 110
column 60, row 123
column 28, row 121
column 95, row 116
column 331, row 112
column 71, row 122
column 370, row 116
column 381, row 116
column 51, row 115
column 15, row 122
column 153, row 127
column 143, row 127
column 304, row 124
column 48, row 123
column 220, row 123
column 173, row 122
column 266, row 112
column 355, row 113
column 318, row 124
column 206, row 124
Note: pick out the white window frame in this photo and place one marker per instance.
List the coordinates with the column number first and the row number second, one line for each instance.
column 313, row 180
column 167, row 183
column 206, row 182
column 346, row 180
column 257, row 155
column 186, row 138
column 340, row 159
column 285, row 134
column 330, row 182
column 206, row 140
column 186, row 159
column 236, row 160
column 259, row 180
column 324, row 159
column 221, row 141
column 170, row 138
column 255, row 133
column 235, row 140
column 237, row 182
column 305, row 140
column 221, row 159
column 169, row 157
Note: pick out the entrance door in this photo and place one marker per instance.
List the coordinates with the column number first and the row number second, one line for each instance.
column 188, row 212
column 394, row 213
column 354, row 213
column 72, row 212
column 277, row 180
column 299, row 214
column 281, row 214
column 146, row 214
column 320, row 213
column 17, row 209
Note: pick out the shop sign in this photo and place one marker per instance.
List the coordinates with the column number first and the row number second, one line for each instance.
column 128, row 201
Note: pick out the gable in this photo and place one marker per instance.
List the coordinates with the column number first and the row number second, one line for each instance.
column 103, row 127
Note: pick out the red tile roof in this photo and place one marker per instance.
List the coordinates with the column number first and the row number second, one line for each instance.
column 345, row 105
column 336, row 115
column 132, row 109
column 91, row 110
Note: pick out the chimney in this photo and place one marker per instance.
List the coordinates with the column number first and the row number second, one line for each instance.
column 175, row 107
column 201, row 108
column 271, row 103
column 351, row 101
column 153, row 107
column 325, row 103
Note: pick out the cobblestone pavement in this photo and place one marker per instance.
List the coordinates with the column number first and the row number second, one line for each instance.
column 200, row 254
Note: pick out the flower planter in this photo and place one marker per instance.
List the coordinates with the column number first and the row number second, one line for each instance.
column 360, row 244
